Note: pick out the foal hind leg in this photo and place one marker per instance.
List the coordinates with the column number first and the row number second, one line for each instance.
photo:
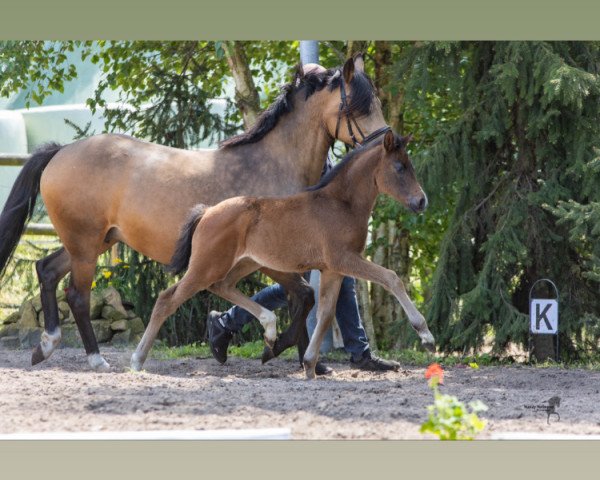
column 300, row 301
column 50, row 270
column 167, row 303
column 266, row 317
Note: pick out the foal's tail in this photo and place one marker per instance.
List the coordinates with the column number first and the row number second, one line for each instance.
column 183, row 249
column 21, row 201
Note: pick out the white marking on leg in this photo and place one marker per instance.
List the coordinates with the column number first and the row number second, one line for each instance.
column 98, row 363
column 50, row 341
column 269, row 322
column 415, row 318
column 136, row 361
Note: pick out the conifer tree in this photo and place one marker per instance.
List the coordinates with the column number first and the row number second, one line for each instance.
column 518, row 170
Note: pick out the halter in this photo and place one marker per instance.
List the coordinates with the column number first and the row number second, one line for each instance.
column 350, row 120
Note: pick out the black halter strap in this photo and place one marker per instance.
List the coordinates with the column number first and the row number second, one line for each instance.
column 344, row 109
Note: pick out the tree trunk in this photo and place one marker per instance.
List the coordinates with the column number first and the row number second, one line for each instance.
column 391, row 98
column 355, row 46
column 379, row 237
column 246, row 94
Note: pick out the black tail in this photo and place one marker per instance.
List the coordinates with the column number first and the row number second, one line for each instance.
column 183, row 249
column 21, row 201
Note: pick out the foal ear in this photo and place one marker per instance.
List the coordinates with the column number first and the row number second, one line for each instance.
column 389, row 141
column 359, row 62
column 348, row 70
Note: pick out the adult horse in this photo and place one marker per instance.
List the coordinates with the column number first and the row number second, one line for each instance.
column 113, row 188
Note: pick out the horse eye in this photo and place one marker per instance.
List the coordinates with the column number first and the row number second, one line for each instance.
column 399, row 167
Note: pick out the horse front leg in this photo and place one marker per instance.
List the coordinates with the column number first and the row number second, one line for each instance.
column 353, row 265
column 300, row 301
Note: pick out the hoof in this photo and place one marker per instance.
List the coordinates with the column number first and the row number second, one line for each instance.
column 136, row 363
column 267, row 354
column 98, row 363
column 37, row 356
column 309, row 371
column 430, row 347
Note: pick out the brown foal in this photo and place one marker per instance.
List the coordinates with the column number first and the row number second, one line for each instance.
column 323, row 228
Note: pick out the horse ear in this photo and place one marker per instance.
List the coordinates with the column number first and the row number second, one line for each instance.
column 389, row 141
column 348, row 70
column 359, row 62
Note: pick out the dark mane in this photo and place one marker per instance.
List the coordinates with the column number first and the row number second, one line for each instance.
column 331, row 174
column 361, row 101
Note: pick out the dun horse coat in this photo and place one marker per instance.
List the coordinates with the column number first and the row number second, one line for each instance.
column 114, row 188
column 324, row 228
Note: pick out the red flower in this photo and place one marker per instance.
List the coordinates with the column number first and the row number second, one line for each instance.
column 435, row 370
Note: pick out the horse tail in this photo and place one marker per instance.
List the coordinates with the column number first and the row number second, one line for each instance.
column 21, row 201
column 183, row 249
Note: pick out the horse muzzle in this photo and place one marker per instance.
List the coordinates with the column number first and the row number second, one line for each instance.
column 418, row 203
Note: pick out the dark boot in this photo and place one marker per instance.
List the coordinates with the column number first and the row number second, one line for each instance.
column 322, row 369
column 372, row 363
column 218, row 336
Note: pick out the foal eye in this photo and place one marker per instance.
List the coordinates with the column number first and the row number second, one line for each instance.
column 399, row 167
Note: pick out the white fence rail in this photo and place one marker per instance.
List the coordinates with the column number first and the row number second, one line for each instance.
column 18, row 160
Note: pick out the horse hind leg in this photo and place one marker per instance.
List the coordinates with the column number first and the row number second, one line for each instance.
column 78, row 298
column 50, row 271
column 300, row 301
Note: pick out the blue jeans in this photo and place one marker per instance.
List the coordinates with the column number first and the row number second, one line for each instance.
column 347, row 314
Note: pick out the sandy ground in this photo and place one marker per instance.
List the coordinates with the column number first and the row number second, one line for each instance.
column 63, row 394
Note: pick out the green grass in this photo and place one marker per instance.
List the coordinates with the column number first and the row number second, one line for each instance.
column 412, row 358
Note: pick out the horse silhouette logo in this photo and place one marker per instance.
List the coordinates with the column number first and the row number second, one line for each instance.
column 553, row 403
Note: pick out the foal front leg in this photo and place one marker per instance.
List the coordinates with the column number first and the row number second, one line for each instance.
column 329, row 290
column 356, row 266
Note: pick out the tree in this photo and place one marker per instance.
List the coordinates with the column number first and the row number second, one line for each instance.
column 522, row 146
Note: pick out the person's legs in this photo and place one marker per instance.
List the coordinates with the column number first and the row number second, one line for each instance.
column 221, row 326
column 353, row 332
column 311, row 319
column 271, row 298
column 348, row 317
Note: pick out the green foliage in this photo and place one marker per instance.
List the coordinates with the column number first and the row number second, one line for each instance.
column 524, row 136
column 505, row 145
column 36, row 67
column 451, row 419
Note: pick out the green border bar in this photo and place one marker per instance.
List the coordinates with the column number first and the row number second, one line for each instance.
column 310, row 19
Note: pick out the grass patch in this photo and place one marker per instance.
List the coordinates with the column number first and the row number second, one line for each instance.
column 413, row 358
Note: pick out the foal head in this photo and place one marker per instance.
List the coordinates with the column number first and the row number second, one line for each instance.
column 395, row 174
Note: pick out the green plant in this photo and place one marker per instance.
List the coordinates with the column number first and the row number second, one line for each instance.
column 449, row 418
